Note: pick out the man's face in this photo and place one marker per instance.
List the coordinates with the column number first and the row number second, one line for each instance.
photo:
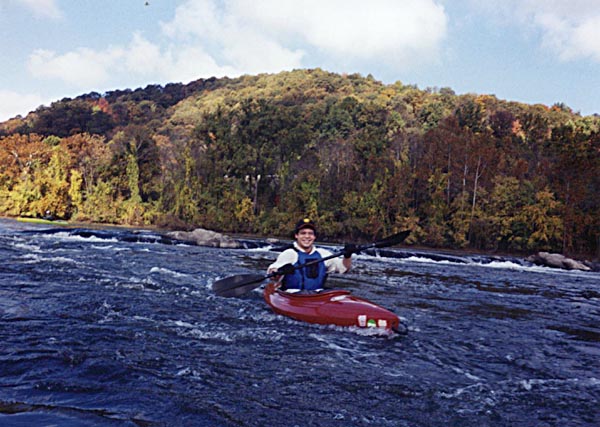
column 305, row 238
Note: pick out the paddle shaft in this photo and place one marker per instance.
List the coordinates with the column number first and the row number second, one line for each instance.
column 388, row 241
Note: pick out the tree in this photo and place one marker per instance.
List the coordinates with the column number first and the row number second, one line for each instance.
column 544, row 222
column 89, row 155
column 21, row 158
column 53, row 184
column 573, row 174
column 358, row 155
column 503, row 211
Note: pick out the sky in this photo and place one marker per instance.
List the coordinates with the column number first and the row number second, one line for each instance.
column 530, row 51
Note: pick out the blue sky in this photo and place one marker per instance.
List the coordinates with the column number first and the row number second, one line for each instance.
column 531, row 51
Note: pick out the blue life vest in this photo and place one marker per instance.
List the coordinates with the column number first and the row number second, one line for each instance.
column 308, row 278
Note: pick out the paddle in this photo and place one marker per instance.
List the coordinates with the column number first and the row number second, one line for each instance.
column 240, row 284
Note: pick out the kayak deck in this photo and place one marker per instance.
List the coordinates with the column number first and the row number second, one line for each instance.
column 334, row 307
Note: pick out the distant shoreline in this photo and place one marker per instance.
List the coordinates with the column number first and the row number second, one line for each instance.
column 284, row 239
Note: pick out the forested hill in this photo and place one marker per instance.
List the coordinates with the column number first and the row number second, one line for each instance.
column 364, row 159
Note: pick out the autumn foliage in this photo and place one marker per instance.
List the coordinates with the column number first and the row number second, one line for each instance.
column 362, row 158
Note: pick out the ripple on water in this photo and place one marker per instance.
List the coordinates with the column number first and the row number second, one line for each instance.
column 103, row 329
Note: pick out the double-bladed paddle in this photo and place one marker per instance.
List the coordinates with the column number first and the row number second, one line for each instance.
column 241, row 284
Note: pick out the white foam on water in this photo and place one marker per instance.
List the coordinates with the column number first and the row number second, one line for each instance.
column 263, row 249
column 431, row 261
column 35, row 258
column 499, row 265
column 110, row 248
column 64, row 236
column 28, row 247
column 162, row 270
column 507, row 265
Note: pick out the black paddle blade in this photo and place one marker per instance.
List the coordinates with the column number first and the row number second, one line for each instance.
column 392, row 240
column 237, row 285
column 239, row 291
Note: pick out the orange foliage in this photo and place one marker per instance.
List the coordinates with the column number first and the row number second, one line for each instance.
column 18, row 153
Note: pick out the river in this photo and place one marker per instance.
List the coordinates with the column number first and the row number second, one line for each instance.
column 119, row 327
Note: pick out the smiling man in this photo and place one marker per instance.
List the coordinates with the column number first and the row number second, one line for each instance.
column 311, row 277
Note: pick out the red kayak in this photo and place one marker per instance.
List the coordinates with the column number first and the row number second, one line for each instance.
column 334, row 307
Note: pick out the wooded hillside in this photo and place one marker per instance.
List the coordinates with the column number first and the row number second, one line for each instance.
column 363, row 159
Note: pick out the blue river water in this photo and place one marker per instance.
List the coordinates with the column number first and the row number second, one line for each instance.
column 119, row 327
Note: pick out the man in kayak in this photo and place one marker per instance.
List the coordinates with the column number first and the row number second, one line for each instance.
column 311, row 277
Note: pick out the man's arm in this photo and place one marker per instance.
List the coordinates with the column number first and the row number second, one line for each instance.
column 335, row 265
column 289, row 256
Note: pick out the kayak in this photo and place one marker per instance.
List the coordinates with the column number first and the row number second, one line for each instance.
column 332, row 307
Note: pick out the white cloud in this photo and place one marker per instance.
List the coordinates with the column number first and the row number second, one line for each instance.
column 190, row 63
column 47, row 8
column 14, row 103
column 182, row 62
column 217, row 38
column 143, row 57
column 570, row 29
column 141, row 60
column 232, row 41
column 399, row 32
column 200, row 18
column 252, row 52
column 81, row 68
column 267, row 34
column 572, row 35
column 585, row 40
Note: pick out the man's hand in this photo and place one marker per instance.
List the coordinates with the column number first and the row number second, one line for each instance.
column 285, row 269
column 349, row 249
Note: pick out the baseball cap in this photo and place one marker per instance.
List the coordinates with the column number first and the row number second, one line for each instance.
column 305, row 223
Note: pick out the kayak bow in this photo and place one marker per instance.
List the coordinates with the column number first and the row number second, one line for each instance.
column 334, row 307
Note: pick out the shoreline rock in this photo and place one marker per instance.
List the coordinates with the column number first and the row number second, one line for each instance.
column 557, row 261
column 203, row 237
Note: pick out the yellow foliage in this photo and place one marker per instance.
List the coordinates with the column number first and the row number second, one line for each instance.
column 544, row 220
column 244, row 212
column 75, row 191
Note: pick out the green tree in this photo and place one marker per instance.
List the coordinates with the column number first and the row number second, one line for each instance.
column 544, row 222
column 53, row 182
column 76, row 192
